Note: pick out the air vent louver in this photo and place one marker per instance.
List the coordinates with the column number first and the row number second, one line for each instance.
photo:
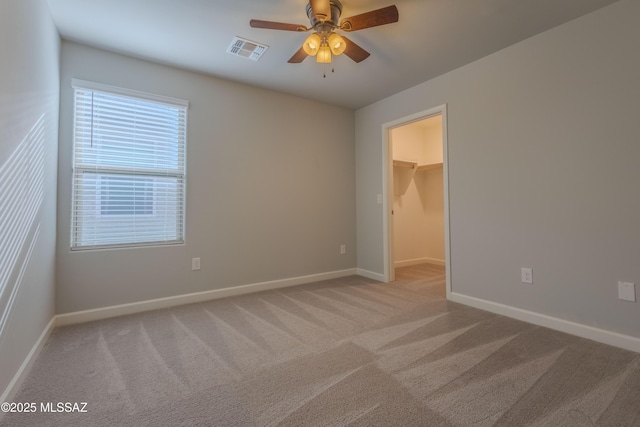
column 246, row 48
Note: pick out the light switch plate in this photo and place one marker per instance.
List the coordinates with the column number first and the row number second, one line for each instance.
column 627, row 291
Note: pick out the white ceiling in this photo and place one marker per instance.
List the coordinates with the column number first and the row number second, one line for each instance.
column 431, row 38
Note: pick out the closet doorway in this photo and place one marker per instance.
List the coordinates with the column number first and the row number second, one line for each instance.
column 417, row 193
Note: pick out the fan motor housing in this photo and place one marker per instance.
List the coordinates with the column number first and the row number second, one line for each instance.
column 336, row 11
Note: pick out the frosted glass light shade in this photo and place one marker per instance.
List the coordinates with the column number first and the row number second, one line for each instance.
column 311, row 44
column 324, row 54
column 337, row 44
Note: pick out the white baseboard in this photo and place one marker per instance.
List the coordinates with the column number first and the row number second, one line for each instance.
column 417, row 261
column 24, row 369
column 596, row 334
column 371, row 275
column 138, row 307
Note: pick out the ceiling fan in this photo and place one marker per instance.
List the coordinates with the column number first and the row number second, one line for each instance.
column 324, row 16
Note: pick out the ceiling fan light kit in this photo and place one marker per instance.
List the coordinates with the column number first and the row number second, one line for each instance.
column 324, row 42
column 323, row 47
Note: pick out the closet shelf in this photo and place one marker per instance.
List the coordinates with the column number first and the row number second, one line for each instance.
column 404, row 164
column 403, row 172
column 432, row 166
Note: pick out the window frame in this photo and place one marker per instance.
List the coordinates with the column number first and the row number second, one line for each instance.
column 179, row 174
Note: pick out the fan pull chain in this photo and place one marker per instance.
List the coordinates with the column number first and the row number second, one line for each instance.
column 324, row 69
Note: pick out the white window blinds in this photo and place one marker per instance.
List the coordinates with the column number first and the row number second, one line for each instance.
column 128, row 168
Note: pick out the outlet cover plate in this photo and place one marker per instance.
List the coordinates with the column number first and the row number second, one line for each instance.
column 526, row 275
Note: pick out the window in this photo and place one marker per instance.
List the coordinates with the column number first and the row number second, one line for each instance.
column 128, row 168
column 126, row 196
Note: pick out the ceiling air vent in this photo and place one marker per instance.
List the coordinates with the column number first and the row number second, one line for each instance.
column 246, row 48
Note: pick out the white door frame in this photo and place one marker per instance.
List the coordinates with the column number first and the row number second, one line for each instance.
column 387, row 193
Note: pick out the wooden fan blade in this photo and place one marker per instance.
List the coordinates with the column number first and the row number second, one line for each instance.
column 386, row 15
column 298, row 57
column 321, row 9
column 257, row 23
column 354, row 51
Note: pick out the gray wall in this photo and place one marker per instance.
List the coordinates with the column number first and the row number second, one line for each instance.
column 270, row 189
column 29, row 78
column 544, row 145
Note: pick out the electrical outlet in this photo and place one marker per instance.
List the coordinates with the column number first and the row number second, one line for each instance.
column 195, row 264
column 343, row 249
column 379, row 199
column 627, row 291
column 526, row 275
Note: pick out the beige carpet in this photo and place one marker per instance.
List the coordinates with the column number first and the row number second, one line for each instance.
column 342, row 352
